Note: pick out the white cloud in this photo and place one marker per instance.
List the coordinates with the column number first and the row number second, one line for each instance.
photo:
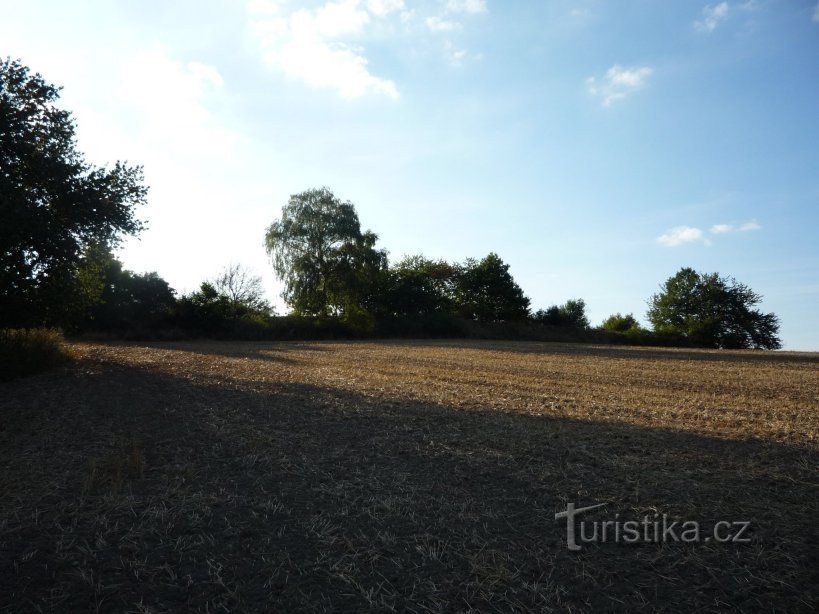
column 168, row 97
column 439, row 24
column 444, row 22
column 380, row 8
column 679, row 235
column 816, row 13
column 712, row 15
column 312, row 45
column 618, row 83
column 458, row 56
column 470, row 7
column 720, row 229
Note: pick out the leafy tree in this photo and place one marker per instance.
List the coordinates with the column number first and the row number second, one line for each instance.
column 53, row 204
column 318, row 250
column 130, row 300
column 418, row 286
column 486, row 291
column 65, row 297
column 243, row 290
column 204, row 310
column 713, row 311
column 621, row 323
column 357, row 282
column 571, row 313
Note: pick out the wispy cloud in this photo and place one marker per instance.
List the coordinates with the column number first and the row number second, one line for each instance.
column 381, row 8
column 680, row 235
column 315, row 45
column 721, row 229
column 470, row 7
column 440, row 24
column 712, row 16
column 618, row 83
column 816, row 13
column 447, row 19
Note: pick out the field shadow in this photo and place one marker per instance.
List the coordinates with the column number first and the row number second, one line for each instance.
column 298, row 497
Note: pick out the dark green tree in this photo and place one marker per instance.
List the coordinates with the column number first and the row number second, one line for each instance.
column 328, row 265
column 486, row 291
column 712, row 311
column 53, row 204
column 130, row 301
column 570, row 313
column 204, row 310
column 418, row 286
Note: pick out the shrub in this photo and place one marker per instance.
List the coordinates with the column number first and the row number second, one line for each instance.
column 621, row 323
column 571, row 313
column 27, row 351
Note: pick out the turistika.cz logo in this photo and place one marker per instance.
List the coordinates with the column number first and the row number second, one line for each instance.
column 651, row 529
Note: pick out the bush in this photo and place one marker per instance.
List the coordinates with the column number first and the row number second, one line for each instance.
column 571, row 314
column 621, row 323
column 28, row 351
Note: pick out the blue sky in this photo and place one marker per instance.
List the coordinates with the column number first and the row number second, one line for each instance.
column 596, row 146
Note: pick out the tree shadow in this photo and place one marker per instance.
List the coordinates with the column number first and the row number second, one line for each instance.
column 300, row 497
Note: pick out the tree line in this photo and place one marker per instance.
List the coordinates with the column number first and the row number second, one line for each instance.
column 62, row 218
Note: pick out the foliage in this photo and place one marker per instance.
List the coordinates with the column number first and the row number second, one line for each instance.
column 54, row 205
column 319, row 252
column 232, row 305
column 243, row 290
column 130, row 301
column 27, row 351
column 621, row 323
column 713, row 311
column 571, row 313
column 417, row 287
column 204, row 310
column 485, row 291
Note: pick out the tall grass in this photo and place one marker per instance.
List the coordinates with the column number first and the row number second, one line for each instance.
column 25, row 351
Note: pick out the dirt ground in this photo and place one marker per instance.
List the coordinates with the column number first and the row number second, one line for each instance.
column 417, row 476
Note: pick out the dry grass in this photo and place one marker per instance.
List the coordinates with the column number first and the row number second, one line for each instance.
column 24, row 351
column 411, row 476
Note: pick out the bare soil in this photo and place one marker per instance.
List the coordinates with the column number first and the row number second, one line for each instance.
column 406, row 476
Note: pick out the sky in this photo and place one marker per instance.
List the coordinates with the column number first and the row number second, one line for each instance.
column 596, row 146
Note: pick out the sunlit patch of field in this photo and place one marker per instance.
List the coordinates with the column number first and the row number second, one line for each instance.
column 419, row 476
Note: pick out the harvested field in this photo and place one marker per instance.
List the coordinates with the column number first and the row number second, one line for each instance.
column 406, row 476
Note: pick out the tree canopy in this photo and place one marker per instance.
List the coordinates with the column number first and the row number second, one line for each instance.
column 318, row 250
column 418, row 286
column 486, row 291
column 571, row 313
column 243, row 290
column 128, row 300
column 621, row 323
column 54, row 205
column 713, row 311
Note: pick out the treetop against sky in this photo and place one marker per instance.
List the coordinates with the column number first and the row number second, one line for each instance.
column 598, row 147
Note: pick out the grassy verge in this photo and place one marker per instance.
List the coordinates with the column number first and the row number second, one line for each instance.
column 27, row 351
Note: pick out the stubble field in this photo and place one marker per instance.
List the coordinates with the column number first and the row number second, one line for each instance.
column 406, row 476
